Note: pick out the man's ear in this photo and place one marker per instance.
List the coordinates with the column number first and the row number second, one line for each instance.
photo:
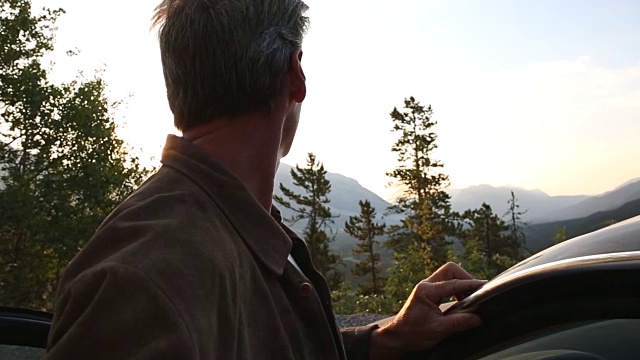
column 297, row 79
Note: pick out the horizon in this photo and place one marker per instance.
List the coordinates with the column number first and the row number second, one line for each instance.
column 506, row 187
column 535, row 93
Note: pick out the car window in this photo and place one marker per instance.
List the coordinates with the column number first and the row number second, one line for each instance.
column 607, row 339
column 13, row 352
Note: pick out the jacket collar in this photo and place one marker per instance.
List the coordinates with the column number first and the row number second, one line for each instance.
column 260, row 231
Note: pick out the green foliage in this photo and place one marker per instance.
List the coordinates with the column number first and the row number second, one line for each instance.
column 560, row 236
column 608, row 223
column 429, row 219
column 312, row 206
column 62, row 167
column 408, row 269
column 346, row 302
column 487, row 243
column 364, row 229
column 417, row 171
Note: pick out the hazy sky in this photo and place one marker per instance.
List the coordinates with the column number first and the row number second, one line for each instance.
column 537, row 94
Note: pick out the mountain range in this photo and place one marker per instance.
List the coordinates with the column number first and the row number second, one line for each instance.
column 543, row 213
column 541, row 207
column 535, row 204
column 540, row 236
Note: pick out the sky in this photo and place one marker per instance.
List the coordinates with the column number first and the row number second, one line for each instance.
column 538, row 94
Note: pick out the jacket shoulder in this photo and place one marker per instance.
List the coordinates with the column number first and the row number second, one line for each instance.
column 169, row 227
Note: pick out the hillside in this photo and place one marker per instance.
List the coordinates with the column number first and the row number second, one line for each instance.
column 536, row 203
column 545, row 213
column 539, row 206
column 540, row 236
column 608, row 201
column 345, row 195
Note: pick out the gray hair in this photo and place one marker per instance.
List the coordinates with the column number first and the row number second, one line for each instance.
column 226, row 58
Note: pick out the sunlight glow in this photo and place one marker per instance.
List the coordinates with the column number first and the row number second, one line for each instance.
column 517, row 102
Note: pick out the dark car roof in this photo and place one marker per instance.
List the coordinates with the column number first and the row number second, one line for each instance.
column 619, row 238
column 611, row 249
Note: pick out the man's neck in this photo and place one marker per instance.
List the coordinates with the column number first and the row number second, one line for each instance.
column 248, row 147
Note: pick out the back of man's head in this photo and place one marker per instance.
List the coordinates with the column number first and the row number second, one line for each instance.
column 226, row 58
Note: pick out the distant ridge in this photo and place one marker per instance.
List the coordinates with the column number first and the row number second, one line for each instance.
column 608, row 201
column 345, row 196
column 542, row 207
column 540, row 236
column 536, row 203
column 545, row 213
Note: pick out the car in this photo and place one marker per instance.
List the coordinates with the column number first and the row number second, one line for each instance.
column 23, row 333
column 577, row 300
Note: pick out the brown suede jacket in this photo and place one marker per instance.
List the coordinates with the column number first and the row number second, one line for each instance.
column 190, row 266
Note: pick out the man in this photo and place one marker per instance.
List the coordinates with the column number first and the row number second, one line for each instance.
column 196, row 263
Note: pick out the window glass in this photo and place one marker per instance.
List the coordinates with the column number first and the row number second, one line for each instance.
column 609, row 339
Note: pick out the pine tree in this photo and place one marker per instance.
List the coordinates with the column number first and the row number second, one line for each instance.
column 517, row 237
column 407, row 270
column 424, row 203
column 364, row 229
column 487, row 243
column 312, row 206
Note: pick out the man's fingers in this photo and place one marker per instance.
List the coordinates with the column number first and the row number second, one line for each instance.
column 449, row 271
column 434, row 292
column 451, row 324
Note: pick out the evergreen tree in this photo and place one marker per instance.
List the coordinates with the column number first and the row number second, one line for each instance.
column 487, row 243
column 517, row 237
column 62, row 166
column 424, row 203
column 312, row 206
column 364, row 229
column 408, row 269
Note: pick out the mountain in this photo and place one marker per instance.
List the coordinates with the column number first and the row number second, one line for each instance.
column 541, row 207
column 607, row 201
column 540, row 236
column 345, row 195
column 536, row 203
column 617, row 205
column 545, row 213
column 628, row 183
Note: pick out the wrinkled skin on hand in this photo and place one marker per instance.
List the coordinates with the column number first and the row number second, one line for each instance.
column 420, row 324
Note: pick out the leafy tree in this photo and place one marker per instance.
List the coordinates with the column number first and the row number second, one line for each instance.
column 364, row 229
column 517, row 237
column 486, row 242
column 424, row 203
column 312, row 206
column 62, row 166
column 561, row 235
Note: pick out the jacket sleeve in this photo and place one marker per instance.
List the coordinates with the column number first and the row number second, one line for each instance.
column 117, row 312
column 357, row 340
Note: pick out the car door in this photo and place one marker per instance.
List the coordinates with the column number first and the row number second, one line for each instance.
column 23, row 334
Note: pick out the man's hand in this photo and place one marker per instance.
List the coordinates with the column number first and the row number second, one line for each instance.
column 420, row 324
